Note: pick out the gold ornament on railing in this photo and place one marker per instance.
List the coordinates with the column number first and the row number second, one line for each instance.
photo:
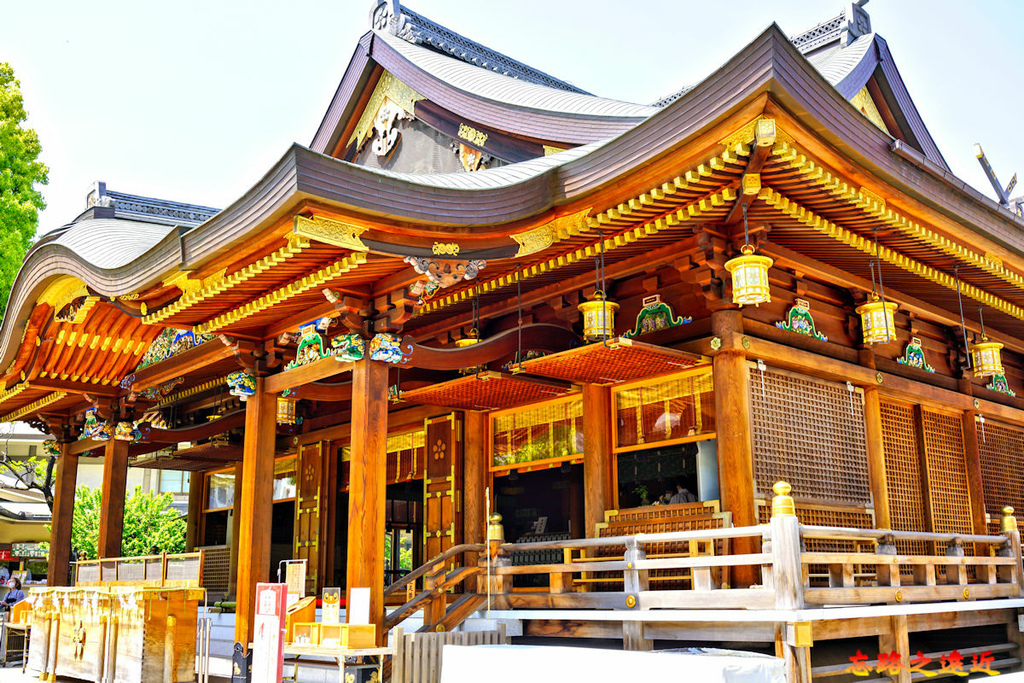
column 1008, row 521
column 782, row 503
column 495, row 531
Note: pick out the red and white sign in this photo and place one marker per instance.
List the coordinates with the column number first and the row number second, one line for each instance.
column 268, row 632
column 5, row 554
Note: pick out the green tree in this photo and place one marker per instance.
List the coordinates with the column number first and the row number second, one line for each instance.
column 149, row 521
column 20, row 172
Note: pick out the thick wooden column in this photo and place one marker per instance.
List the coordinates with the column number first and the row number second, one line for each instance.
column 475, row 456
column 115, row 477
column 597, row 455
column 367, row 487
column 256, row 501
column 195, row 510
column 236, row 521
column 64, row 483
column 876, row 458
column 735, row 445
column 972, row 460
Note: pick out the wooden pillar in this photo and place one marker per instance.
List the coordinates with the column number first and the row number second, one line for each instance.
column 475, row 463
column 876, row 458
column 735, row 445
column 367, row 487
column 972, row 460
column 236, row 520
column 256, row 503
column 195, row 510
column 65, row 482
column 115, row 476
column 598, row 459
column 897, row 640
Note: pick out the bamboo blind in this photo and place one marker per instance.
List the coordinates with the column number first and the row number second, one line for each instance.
column 677, row 408
column 947, row 473
column 406, row 458
column 550, row 430
column 1002, row 464
column 809, row 433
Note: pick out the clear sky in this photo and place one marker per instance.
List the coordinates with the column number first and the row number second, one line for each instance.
column 194, row 100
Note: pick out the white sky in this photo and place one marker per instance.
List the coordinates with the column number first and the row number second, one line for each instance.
column 194, row 100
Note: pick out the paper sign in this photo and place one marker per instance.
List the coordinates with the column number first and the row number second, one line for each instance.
column 268, row 633
column 331, row 612
column 358, row 608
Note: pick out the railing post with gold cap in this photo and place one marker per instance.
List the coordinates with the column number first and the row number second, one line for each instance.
column 1008, row 527
column 495, row 558
column 787, row 572
column 634, row 582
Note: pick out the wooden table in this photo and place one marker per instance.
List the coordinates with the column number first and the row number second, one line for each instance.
column 339, row 655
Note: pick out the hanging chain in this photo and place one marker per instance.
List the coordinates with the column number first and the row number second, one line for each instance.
column 963, row 324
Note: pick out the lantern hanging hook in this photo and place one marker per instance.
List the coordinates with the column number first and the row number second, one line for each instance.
column 963, row 324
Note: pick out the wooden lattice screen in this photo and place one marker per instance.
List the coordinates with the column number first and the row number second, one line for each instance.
column 809, row 433
column 1002, row 466
column 903, row 468
column 947, row 473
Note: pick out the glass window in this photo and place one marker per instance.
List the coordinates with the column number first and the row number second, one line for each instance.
column 172, row 481
column 551, row 430
column 285, row 483
column 221, row 490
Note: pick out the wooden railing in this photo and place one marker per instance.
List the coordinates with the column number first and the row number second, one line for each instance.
column 437, row 579
column 157, row 571
column 959, row 567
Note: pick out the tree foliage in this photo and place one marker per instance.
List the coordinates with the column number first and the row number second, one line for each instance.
column 43, row 472
column 20, row 173
column 149, row 521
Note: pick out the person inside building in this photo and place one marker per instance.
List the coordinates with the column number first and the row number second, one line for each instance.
column 14, row 593
column 5, row 573
column 682, row 495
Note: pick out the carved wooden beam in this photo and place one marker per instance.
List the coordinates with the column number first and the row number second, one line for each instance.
column 541, row 337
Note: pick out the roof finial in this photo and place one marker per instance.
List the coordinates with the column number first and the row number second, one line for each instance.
column 857, row 23
column 386, row 15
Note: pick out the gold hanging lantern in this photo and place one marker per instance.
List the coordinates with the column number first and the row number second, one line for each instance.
column 749, row 278
column 472, row 338
column 987, row 358
column 285, row 409
column 598, row 317
column 877, row 321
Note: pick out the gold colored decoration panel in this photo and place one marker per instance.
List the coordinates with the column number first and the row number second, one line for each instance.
column 389, row 88
column 328, row 231
column 563, row 227
column 866, row 105
column 809, row 433
column 32, row 407
column 1002, row 462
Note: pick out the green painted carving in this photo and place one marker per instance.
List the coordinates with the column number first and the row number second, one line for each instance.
column 799, row 320
column 913, row 356
column 348, row 347
column 311, row 347
column 655, row 315
column 1000, row 384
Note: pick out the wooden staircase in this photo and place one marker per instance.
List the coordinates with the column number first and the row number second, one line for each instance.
column 438, row 614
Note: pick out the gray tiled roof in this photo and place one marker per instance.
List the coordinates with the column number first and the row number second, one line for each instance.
column 509, row 90
column 417, row 29
column 111, row 242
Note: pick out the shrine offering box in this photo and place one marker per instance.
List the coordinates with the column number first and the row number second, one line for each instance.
column 306, row 633
column 348, row 636
column 116, row 634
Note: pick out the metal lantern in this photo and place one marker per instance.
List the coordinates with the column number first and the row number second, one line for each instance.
column 986, row 358
column 749, row 278
column 876, row 320
column 469, row 340
column 598, row 317
column 285, row 410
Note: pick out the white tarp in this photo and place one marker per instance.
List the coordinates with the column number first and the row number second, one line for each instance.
column 553, row 664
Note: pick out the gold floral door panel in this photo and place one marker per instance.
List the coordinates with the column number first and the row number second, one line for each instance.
column 308, row 520
column 442, row 485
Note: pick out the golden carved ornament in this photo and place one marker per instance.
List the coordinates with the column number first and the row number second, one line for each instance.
column 331, row 232
column 446, row 248
column 866, row 105
column 749, row 133
column 62, row 291
column 472, row 135
column 549, row 150
column 538, row 239
column 388, row 88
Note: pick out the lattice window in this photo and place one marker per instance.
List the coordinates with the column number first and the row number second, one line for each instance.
column 1002, row 466
column 903, row 472
column 550, row 430
column 947, row 473
column 809, row 433
column 670, row 410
